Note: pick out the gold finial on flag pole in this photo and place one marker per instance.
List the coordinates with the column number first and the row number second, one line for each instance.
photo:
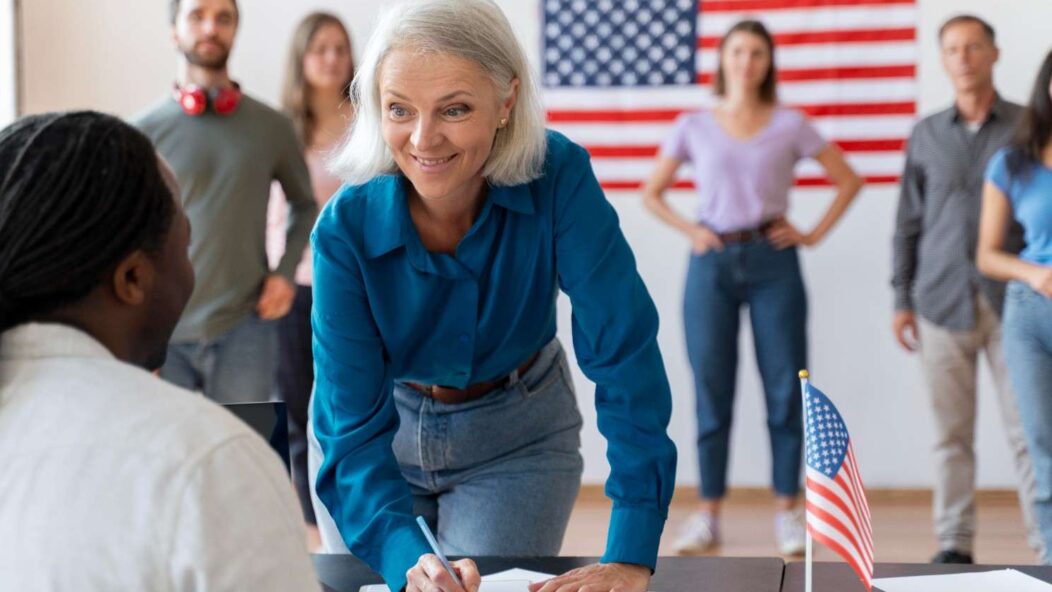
column 804, row 375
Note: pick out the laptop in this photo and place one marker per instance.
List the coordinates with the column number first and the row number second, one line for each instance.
column 270, row 420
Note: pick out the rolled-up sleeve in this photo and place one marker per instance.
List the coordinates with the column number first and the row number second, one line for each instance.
column 615, row 326
column 354, row 415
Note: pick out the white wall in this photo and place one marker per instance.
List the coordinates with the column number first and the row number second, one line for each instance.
column 116, row 55
column 8, row 88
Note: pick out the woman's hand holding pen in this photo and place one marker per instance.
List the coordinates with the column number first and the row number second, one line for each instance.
column 429, row 575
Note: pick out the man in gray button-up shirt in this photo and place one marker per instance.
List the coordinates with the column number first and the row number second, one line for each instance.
column 944, row 307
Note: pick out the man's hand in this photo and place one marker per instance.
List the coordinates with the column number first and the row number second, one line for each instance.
column 600, row 577
column 905, row 328
column 276, row 299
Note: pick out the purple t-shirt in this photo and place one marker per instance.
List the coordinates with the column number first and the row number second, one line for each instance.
column 742, row 183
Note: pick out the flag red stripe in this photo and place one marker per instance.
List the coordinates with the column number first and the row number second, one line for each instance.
column 845, row 484
column 830, row 36
column 848, row 485
column 856, row 482
column 652, row 115
column 651, row 150
column 754, row 5
column 834, row 499
column 836, row 524
column 836, row 548
column 634, row 185
column 834, row 73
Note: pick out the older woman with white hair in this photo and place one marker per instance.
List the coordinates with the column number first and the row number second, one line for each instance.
column 441, row 388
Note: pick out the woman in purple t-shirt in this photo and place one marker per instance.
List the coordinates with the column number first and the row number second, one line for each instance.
column 744, row 253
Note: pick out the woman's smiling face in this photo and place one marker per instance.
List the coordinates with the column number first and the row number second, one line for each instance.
column 440, row 115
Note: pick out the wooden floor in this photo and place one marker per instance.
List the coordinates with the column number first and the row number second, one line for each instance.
column 902, row 528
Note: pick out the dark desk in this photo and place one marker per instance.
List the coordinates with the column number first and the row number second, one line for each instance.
column 839, row 577
column 343, row 573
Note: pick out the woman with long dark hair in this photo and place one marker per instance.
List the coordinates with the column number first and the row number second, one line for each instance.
column 319, row 72
column 1019, row 186
column 745, row 254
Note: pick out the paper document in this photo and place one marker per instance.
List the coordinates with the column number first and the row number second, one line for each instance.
column 512, row 580
column 1008, row 580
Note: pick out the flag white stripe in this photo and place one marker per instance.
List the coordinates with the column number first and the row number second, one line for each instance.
column 831, row 508
column 852, row 549
column 715, row 24
column 693, row 97
column 830, row 531
column 858, row 507
column 827, row 55
column 643, row 134
column 857, row 483
column 635, row 169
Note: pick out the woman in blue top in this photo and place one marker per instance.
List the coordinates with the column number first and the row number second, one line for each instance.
column 1019, row 186
column 441, row 389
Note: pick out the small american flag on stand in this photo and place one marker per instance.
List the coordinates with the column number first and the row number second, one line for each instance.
column 617, row 73
column 837, row 510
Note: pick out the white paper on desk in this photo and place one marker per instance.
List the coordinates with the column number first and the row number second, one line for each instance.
column 1007, row 580
column 512, row 580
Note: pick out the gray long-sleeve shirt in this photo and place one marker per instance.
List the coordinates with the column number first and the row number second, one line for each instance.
column 225, row 166
column 937, row 223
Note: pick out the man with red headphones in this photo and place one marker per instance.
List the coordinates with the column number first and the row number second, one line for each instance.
column 226, row 149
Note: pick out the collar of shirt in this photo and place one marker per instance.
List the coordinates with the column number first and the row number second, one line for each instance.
column 997, row 112
column 389, row 226
column 49, row 340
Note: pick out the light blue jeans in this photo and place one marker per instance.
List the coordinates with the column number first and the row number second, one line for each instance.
column 1027, row 329
column 495, row 476
column 239, row 366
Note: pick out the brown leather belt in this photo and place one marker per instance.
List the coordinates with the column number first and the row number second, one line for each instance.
column 749, row 234
column 455, row 396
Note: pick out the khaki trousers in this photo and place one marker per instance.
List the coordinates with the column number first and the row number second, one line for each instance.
column 950, row 360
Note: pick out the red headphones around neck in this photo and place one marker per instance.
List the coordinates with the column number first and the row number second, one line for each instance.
column 194, row 100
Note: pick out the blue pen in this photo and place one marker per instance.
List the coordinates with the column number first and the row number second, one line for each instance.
column 431, row 540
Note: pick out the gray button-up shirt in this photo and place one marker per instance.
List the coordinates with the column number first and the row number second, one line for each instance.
column 937, row 224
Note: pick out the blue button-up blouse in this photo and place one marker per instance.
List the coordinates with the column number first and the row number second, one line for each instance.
column 386, row 309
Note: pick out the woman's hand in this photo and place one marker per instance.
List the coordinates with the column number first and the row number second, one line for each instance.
column 782, row 235
column 600, row 577
column 1041, row 281
column 429, row 575
column 702, row 240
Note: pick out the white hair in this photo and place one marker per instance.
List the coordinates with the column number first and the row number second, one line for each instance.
column 475, row 30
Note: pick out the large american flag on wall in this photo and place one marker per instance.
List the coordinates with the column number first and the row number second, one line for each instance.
column 837, row 510
column 617, row 73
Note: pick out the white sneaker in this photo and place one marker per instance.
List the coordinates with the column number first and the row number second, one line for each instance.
column 790, row 532
column 700, row 534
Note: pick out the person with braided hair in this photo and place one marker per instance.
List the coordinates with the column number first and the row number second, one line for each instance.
column 113, row 479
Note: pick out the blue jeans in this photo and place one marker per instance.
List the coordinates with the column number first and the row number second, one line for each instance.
column 236, row 367
column 768, row 282
column 293, row 384
column 494, row 476
column 1027, row 335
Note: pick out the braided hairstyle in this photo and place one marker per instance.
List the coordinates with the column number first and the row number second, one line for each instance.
column 79, row 191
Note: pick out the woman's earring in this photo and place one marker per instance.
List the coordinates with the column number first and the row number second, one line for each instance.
column 504, row 121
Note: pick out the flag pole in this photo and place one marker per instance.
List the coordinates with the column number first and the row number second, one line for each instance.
column 808, row 549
